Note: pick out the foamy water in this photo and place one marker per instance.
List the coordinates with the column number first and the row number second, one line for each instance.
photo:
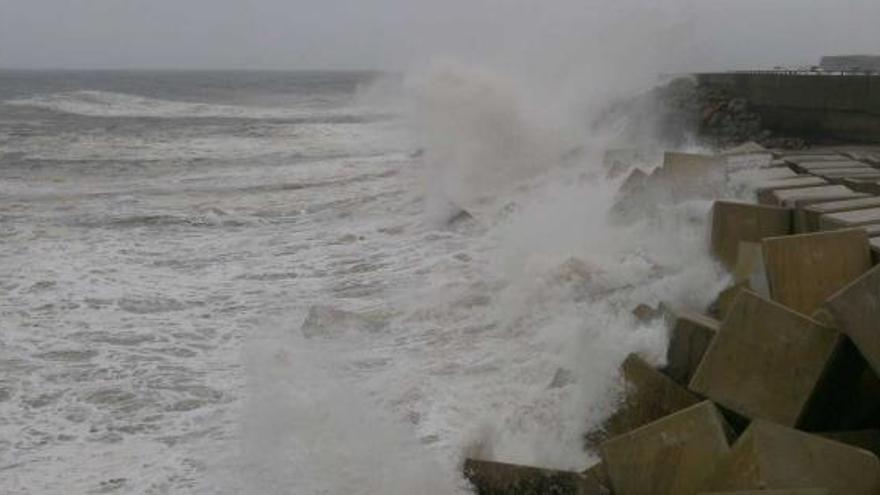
column 219, row 297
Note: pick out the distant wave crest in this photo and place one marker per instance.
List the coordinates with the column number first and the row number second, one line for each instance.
column 110, row 104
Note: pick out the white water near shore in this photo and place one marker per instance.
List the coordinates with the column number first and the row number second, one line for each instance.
column 282, row 316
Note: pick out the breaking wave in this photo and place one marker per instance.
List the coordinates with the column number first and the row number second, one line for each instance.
column 110, row 104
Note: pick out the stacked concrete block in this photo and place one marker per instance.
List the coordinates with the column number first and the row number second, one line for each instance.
column 798, row 199
column 846, row 173
column 734, row 223
column 764, row 190
column 804, row 270
column 856, row 311
column 813, row 212
column 766, row 361
column 808, row 167
column 849, row 219
column 648, row 396
column 794, row 198
column 771, row 456
column 675, row 455
column 864, row 439
column 496, row 478
column 690, row 334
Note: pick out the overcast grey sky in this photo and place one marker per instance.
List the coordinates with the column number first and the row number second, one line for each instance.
column 396, row 34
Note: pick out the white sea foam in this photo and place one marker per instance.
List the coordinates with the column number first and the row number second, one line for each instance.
column 109, row 104
column 135, row 289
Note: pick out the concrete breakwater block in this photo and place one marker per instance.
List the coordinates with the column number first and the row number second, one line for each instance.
column 856, row 310
column 648, row 396
column 813, row 212
column 687, row 175
column 826, row 156
column 771, row 456
column 690, row 334
column 842, row 163
column 798, row 199
column 804, row 270
column 848, row 219
column 764, row 190
column 496, row 478
column 766, row 361
column 734, row 223
column 875, row 249
column 672, row 456
column 845, row 173
column 864, row 439
column 793, row 198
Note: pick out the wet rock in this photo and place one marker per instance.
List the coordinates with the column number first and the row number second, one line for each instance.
column 325, row 321
column 646, row 314
column 734, row 223
column 804, row 270
column 682, row 177
column 690, row 334
column 766, row 361
column 770, row 456
column 648, row 395
column 672, row 456
column 496, row 478
column 856, row 311
column 462, row 216
column 561, row 378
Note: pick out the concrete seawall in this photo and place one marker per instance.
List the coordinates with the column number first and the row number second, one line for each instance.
column 820, row 107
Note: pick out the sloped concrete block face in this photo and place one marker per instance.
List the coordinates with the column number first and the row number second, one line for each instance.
column 766, row 361
column 765, row 190
column 813, row 212
column 793, row 198
column 864, row 439
column 856, row 309
column 648, row 396
column 733, row 223
column 831, row 164
column 804, row 270
column 687, row 175
column 495, row 478
column 847, row 219
column 671, row 456
column 689, row 336
column 770, row 456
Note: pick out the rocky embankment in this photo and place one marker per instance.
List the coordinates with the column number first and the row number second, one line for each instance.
column 776, row 387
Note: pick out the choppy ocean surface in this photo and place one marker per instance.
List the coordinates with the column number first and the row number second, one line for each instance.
column 227, row 283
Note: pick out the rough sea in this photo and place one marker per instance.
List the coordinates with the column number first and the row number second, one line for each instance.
column 220, row 282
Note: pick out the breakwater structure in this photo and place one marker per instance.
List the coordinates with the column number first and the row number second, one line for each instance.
column 775, row 388
column 819, row 105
